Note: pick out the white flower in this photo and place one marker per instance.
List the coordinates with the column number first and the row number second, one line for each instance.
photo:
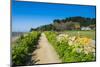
column 78, row 50
column 62, row 37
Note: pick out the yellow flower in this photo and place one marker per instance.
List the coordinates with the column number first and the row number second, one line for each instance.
column 83, row 41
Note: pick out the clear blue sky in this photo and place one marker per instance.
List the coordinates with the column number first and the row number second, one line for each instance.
column 31, row 14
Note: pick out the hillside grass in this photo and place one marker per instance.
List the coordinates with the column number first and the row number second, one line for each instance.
column 90, row 34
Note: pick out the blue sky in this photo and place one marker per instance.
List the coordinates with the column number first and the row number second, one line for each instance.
column 31, row 14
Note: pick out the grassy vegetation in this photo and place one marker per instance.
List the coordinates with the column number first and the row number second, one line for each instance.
column 89, row 34
column 70, row 48
column 23, row 46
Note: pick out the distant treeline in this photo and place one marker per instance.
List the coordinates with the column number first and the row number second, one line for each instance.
column 71, row 23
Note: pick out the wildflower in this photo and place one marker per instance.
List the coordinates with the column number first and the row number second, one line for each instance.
column 83, row 41
column 62, row 37
column 79, row 50
column 88, row 50
column 71, row 40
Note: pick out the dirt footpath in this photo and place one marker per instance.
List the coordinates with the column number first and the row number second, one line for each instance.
column 45, row 52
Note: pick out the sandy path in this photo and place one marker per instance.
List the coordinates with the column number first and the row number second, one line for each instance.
column 45, row 52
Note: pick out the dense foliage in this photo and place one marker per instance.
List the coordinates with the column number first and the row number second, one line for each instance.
column 23, row 46
column 71, row 23
column 72, row 48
